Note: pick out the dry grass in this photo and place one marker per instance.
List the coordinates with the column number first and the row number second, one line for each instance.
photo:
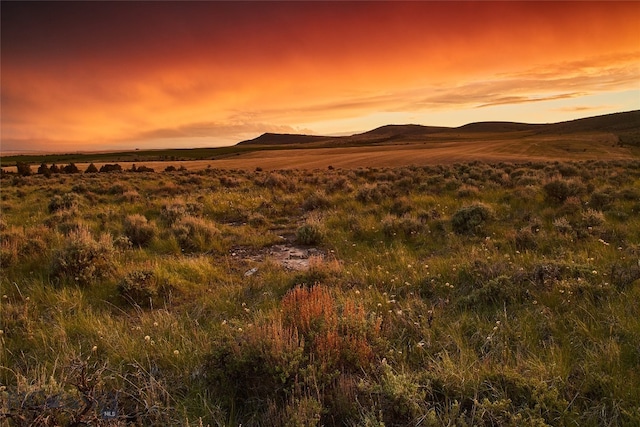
column 459, row 294
column 447, row 149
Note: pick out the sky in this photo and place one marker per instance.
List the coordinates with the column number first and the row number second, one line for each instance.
column 85, row 76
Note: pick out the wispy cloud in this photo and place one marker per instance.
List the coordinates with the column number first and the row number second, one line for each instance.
column 221, row 130
column 583, row 108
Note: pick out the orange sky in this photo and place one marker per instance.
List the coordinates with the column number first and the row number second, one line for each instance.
column 112, row 75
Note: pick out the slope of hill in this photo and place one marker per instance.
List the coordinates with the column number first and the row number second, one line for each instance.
column 625, row 126
column 285, row 138
column 497, row 127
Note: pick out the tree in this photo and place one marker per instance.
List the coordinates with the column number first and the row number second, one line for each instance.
column 24, row 169
column 44, row 170
column 111, row 168
column 71, row 168
column 91, row 169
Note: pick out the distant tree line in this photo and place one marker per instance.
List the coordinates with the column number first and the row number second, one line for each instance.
column 24, row 169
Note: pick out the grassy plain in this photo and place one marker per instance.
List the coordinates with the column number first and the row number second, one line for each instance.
column 444, row 148
column 500, row 292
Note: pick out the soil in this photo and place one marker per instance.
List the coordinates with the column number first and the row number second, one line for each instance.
column 291, row 257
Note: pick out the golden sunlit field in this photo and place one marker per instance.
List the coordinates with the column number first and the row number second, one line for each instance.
column 419, row 292
column 446, row 149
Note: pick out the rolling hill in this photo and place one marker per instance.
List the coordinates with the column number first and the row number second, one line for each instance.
column 625, row 126
column 613, row 136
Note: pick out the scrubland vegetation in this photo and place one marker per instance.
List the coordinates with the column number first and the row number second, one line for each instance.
column 468, row 294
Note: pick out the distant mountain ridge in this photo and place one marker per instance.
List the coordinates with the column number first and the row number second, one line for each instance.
column 625, row 125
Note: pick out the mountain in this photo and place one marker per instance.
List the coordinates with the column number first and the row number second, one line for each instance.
column 626, row 126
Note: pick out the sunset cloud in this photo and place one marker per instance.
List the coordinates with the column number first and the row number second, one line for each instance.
column 107, row 74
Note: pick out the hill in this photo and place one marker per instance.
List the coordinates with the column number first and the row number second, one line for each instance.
column 625, row 126
column 285, row 138
column 611, row 136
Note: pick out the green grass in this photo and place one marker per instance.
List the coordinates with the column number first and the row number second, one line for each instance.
column 164, row 293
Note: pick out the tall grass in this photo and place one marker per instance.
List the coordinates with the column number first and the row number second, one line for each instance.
column 468, row 294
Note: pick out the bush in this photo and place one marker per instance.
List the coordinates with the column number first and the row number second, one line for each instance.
column 139, row 287
column 141, row 168
column 471, row 219
column 592, row 218
column 468, row 191
column 70, row 168
column 316, row 200
column 65, row 202
column 371, row 194
column 83, row 259
column 111, row 168
column 525, row 240
column 195, row 234
column 139, row 231
column 44, row 170
column 310, row 233
column 600, row 200
column 405, row 226
column 559, row 190
column 562, row 225
column 173, row 212
column 91, row 169
column 24, row 169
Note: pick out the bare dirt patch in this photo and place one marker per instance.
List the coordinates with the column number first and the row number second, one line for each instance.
column 290, row 257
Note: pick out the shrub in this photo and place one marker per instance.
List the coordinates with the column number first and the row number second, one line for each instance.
column 316, row 200
column 142, row 169
column 471, row 219
column 525, row 239
column 65, row 202
column 468, row 191
column 111, row 168
column 91, row 169
column 172, row 212
column 592, row 218
column 80, row 188
column 139, row 287
column 83, row 259
column 24, row 169
column 122, row 243
column 371, row 194
column 559, row 190
column 276, row 180
column 405, row 226
column 229, row 182
column 562, row 225
column 401, row 206
column 131, row 196
column 310, row 233
column 629, row 193
column 44, row 170
column 139, row 231
column 338, row 184
column 70, row 168
column 195, row 234
column 600, row 199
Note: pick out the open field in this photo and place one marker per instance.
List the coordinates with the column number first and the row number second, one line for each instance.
column 448, row 149
column 612, row 136
column 469, row 293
